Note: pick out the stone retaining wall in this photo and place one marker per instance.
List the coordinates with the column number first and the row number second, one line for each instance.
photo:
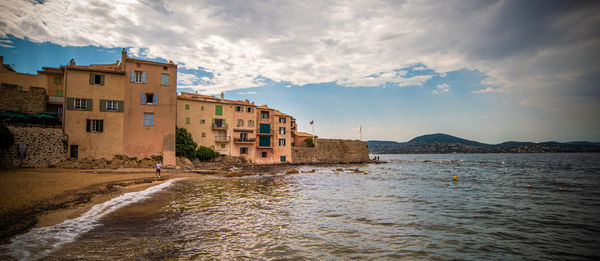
column 33, row 100
column 332, row 151
column 44, row 148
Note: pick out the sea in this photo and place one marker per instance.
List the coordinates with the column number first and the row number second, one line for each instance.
column 500, row 207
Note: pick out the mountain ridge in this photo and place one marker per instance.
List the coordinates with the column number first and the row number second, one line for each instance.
column 444, row 143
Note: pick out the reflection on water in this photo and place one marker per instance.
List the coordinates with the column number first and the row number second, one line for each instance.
column 409, row 208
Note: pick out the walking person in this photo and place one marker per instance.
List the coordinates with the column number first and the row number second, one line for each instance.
column 158, row 165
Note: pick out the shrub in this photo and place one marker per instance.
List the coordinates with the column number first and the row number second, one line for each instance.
column 309, row 142
column 206, row 153
column 7, row 139
column 184, row 144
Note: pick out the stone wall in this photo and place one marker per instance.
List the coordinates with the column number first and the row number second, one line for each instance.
column 332, row 151
column 45, row 148
column 33, row 100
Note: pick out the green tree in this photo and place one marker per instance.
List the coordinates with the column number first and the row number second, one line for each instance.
column 184, row 143
column 309, row 142
column 206, row 153
column 7, row 139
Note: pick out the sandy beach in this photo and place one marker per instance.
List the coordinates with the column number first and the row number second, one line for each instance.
column 43, row 197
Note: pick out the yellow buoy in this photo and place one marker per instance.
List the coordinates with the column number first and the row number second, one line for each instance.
column 500, row 184
column 366, row 172
column 455, row 178
column 560, row 189
column 529, row 186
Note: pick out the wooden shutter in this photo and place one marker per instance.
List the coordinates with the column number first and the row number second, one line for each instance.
column 143, row 98
column 102, row 79
column 100, row 125
column 88, row 104
column 120, row 104
column 218, row 110
column 132, row 76
column 103, row 105
column 88, row 125
column 155, row 99
column 91, row 78
column 70, row 103
column 143, row 77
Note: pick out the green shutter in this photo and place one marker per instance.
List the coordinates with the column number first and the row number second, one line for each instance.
column 102, row 105
column 264, row 141
column 88, row 104
column 187, row 120
column 91, row 78
column 102, row 79
column 265, row 128
column 59, row 93
column 202, row 108
column 218, row 110
column 100, row 125
column 88, row 124
column 120, row 104
column 282, row 158
column 70, row 103
column 187, row 106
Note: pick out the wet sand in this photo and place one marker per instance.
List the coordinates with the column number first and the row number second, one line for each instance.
column 43, row 197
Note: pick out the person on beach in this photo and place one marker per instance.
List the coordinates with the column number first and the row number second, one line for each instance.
column 158, row 165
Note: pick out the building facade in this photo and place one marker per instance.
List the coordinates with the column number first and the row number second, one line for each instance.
column 125, row 108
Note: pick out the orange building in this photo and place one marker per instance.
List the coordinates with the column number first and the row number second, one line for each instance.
column 123, row 108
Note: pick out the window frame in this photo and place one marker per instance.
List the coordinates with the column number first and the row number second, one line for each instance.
column 146, row 119
column 282, row 141
column 243, row 150
column 112, row 105
column 138, row 77
column 78, row 103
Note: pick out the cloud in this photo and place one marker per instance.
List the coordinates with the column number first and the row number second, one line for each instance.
column 441, row 88
column 520, row 47
column 186, row 79
column 246, row 93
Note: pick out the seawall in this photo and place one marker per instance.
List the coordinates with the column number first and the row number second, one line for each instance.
column 43, row 147
column 332, row 151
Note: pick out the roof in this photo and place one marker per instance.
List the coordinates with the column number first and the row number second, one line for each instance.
column 108, row 68
column 302, row 134
column 51, row 70
column 208, row 98
column 150, row 62
column 278, row 113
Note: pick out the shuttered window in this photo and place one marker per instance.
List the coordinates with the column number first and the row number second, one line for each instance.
column 96, row 79
column 264, row 141
column 164, row 79
column 79, row 104
column 218, row 110
column 94, row 125
column 148, row 119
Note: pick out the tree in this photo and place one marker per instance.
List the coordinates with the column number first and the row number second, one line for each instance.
column 309, row 142
column 7, row 139
column 184, row 144
column 206, row 153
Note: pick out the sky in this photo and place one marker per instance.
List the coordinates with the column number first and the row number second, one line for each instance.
column 484, row 70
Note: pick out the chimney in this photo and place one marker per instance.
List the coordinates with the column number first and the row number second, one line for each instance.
column 72, row 62
column 123, row 59
column 222, row 96
column 1, row 60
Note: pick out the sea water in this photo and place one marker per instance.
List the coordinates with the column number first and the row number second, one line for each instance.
column 503, row 206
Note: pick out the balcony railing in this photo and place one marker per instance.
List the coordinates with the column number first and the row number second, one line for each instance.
column 247, row 140
column 261, row 132
column 222, row 126
column 220, row 138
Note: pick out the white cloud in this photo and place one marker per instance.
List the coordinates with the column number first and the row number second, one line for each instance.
column 243, row 43
column 440, row 88
column 246, row 93
column 186, row 79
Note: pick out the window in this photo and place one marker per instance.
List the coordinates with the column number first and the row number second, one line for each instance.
column 112, row 105
column 96, row 79
column 249, row 109
column 281, row 119
column 240, row 123
column 265, row 128
column 187, row 106
column 187, row 120
column 137, row 77
column 59, row 93
column 164, row 79
column 238, row 108
column 281, row 142
column 74, row 151
column 202, row 108
column 94, row 125
column 57, row 80
column 149, row 98
column 218, row 110
column 264, row 141
column 264, row 154
column 244, row 150
column 250, row 123
column 80, row 104
column 148, row 119
column 202, row 121
column 204, row 134
column 223, row 146
column 243, row 136
column 282, row 158
column 165, row 68
column 264, row 114
column 282, row 130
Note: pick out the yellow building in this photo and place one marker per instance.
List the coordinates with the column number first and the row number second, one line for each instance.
column 236, row 128
column 125, row 108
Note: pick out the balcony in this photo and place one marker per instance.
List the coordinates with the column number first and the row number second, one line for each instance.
column 220, row 138
column 248, row 140
column 264, row 132
column 222, row 126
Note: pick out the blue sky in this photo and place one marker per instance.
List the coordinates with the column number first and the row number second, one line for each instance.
column 489, row 71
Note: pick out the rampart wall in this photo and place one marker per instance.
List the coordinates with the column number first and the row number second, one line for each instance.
column 332, row 151
column 32, row 100
column 44, row 147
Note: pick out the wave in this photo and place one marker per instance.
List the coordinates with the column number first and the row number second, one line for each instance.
column 39, row 242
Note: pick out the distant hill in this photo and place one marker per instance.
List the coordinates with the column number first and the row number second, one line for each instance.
column 444, row 143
